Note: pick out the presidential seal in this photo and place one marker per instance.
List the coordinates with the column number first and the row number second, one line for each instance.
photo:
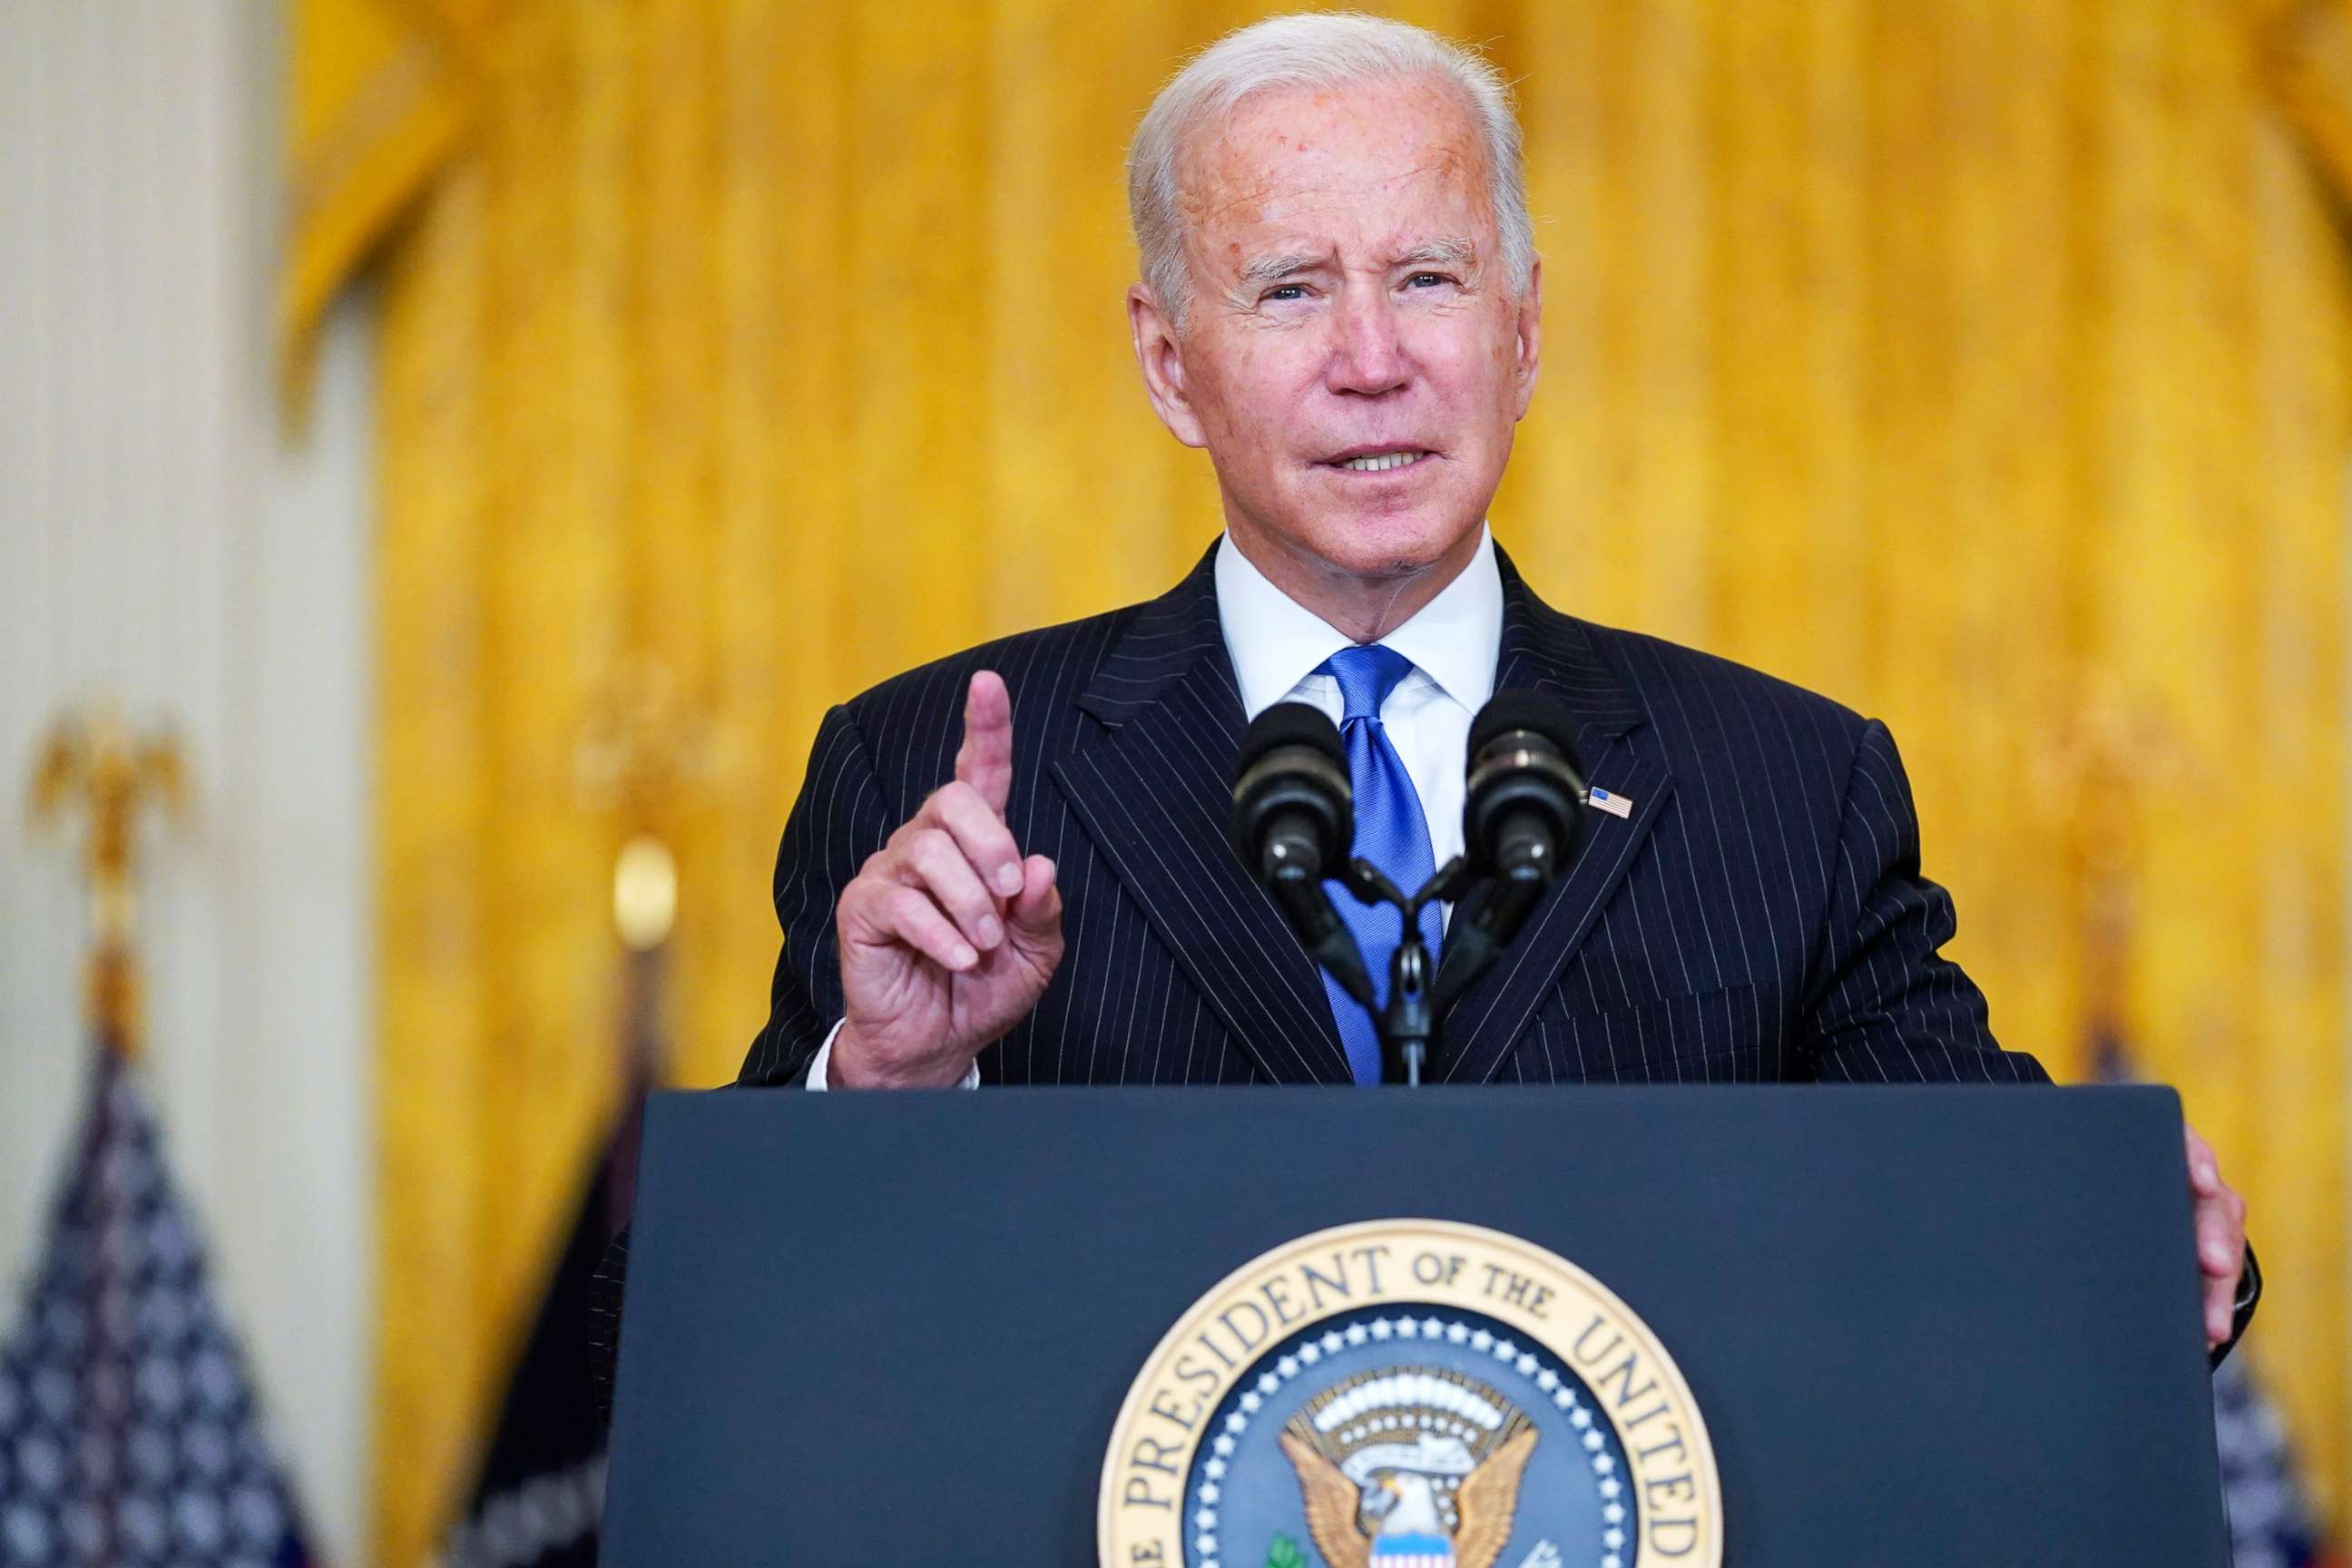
column 1409, row 1394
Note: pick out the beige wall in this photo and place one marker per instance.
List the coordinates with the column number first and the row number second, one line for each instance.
column 157, row 546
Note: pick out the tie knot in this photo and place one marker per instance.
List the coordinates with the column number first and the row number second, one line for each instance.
column 1366, row 674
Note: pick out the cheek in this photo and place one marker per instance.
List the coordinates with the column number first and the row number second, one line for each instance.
column 1259, row 389
column 1470, row 381
column 1489, row 338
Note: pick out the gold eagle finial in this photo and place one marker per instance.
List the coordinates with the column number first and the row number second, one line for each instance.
column 92, row 760
column 642, row 746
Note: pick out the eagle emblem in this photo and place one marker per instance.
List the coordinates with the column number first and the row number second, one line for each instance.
column 1409, row 1394
column 1410, row 1467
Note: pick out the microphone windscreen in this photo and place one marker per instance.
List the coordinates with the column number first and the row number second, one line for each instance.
column 1522, row 709
column 1291, row 724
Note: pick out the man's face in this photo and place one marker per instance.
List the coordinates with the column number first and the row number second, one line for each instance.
column 1354, row 357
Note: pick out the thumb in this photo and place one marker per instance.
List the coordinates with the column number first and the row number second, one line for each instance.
column 1037, row 909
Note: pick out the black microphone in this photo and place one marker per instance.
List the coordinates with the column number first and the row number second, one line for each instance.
column 1294, row 824
column 1523, row 810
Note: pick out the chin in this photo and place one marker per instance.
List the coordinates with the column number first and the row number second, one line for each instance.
column 1389, row 545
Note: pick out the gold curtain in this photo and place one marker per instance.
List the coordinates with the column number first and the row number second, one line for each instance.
column 1981, row 363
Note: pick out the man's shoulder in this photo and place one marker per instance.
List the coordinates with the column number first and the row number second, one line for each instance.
column 1043, row 669
column 1716, row 709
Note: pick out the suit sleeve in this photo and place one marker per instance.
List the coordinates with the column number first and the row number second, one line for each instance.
column 841, row 818
column 1883, row 1005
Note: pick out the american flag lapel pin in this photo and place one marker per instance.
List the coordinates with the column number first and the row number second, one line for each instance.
column 1599, row 799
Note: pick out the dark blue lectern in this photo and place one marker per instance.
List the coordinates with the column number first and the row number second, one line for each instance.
column 1932, row 1328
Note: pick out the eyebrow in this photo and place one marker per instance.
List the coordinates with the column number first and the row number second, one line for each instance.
column 1451, row 251
column 1266, row 268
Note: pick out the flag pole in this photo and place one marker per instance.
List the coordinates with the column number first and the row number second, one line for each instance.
column 119, row 1328
column 642, row 744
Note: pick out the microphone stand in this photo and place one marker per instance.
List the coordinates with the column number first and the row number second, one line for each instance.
column 1407, row 1026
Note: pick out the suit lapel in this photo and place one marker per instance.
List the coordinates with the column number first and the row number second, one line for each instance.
column 1151, row 789
column 1546, row 651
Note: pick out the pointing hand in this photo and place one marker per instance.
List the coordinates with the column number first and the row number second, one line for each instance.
column 948, row 935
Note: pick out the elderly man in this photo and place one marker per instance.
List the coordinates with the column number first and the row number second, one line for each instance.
column 1010, row 866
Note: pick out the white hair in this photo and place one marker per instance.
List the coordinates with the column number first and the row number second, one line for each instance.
column 1322, row 50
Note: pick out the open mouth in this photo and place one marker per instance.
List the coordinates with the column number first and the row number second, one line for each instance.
column 1382, row 462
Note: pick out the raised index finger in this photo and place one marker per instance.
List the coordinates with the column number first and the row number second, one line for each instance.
column 985, row 760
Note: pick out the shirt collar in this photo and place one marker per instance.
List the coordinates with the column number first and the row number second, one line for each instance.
column 1275, row 642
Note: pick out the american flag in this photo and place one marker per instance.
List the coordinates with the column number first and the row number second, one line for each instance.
column 2271, row 1522
column 130, row 1437
column 539, row 1499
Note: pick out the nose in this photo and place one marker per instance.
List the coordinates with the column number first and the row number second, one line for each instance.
column 1368, row 358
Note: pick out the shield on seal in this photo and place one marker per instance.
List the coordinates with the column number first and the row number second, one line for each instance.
column 1412, row 1551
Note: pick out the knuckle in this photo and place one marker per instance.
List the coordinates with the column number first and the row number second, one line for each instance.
column 945, row 870
column 961, row 900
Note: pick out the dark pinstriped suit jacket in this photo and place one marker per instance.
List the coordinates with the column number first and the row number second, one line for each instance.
column 1760, row 916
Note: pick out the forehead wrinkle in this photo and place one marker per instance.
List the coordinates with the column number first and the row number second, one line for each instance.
column 1266, row 189
column 1233, row 181
column 1451, row 250
column 1220, row 175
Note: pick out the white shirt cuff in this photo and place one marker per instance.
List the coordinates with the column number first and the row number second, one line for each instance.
column 824, row 1061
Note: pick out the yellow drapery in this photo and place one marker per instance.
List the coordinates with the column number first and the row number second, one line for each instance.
column 376, row 103
column 1980, row 362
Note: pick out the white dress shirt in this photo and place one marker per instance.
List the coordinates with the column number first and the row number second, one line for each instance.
column 1452, row 641
column 1275, row 644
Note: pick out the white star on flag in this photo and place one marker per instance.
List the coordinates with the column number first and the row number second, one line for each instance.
column 129, row 1435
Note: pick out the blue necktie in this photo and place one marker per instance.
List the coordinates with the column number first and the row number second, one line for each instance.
column 1391, row 832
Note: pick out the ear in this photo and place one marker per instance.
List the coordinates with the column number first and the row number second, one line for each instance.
column 1161, row 354
column 1529, row 333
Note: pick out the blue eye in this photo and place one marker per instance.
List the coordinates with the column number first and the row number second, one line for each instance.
column 1287, row 291
column 1418, row 279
